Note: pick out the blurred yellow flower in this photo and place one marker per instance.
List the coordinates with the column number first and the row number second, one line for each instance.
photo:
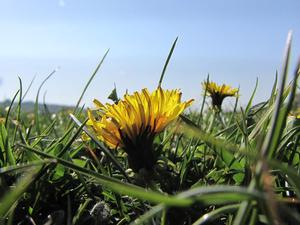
column 295, row 113
column 133, row 122
column 219, row 92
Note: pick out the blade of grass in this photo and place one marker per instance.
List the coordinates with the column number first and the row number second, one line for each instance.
column 167, row 63
column 118, row 186
column 216, row 214
column 9, row 109
column 203, row 102
column 145, row 218
column 235, row 107
column 25, row 166
column 44, row 134
column 6, row 147
column 273, row 93
column 101, row 146
column 263, row 122
column 205, row 195
column 48, row 114
column 36, row 105
column 19, row 110
column 13, row 196
column 288, row 172
column 277, row 120
column 272, row 136
column 27, row 90
column 220, row 194
column 251, row 98
column 89, row 81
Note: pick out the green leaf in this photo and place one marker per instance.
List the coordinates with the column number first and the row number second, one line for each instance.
column 114, row 96
column 5, row 146
column 14, row 194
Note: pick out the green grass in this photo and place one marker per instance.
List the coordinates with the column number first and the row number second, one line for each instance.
column 235, row 167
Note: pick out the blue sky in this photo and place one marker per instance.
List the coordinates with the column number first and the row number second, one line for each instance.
column 234, row 41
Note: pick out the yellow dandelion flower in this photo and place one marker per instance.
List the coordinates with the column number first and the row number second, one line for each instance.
column 133, row 122
column 219, row 92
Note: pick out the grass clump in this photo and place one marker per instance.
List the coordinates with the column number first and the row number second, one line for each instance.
column 206, row 167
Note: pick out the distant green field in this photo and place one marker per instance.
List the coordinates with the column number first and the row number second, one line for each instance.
column 147, row 158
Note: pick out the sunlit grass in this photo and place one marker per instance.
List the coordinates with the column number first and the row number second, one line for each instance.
column 211, row 167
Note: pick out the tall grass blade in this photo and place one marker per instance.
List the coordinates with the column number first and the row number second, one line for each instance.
column 36, row 105
column 9, row 108
column 167, row 63
column 89, row 81
column 278, row 118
